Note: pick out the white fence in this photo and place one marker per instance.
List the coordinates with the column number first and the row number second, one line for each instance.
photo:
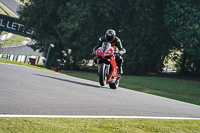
column 19, row 52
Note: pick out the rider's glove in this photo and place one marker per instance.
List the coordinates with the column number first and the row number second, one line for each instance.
column 120, row 52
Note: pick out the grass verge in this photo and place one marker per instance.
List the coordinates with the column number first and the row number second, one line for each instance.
column 97, row 125
column 16, row 38
column 23, row 64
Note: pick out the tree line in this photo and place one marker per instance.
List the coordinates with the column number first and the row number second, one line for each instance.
column 150, row 31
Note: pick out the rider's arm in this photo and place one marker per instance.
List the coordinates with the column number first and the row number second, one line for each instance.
column 99, row 43
column 119, row 46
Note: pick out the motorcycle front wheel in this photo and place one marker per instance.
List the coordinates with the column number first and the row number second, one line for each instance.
column 102, row 74
column 114, row 85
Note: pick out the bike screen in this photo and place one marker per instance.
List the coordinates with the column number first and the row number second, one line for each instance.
column 105, row 46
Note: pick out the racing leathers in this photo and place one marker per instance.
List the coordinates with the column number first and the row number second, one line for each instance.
column 118, row 47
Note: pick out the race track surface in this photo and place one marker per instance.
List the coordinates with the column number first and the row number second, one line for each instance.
column 29, row 91
column 11, row 5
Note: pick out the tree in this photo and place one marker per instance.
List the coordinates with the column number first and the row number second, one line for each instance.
column 182, row 19
column 42, row 16
column 149, row 30
column 83, row 22
column 146, row 36
column 73, row 26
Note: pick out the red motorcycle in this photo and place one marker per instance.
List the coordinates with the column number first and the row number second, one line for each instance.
column 107, row 65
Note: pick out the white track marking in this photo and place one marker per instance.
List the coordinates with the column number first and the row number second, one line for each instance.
column 87, row 116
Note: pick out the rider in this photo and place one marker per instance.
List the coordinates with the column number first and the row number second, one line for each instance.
column 110, row 37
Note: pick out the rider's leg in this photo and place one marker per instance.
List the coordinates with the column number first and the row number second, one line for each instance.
column 95, row 60
column 120, row 63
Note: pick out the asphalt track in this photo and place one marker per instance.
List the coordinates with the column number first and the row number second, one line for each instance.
column 29, row 91
column 12, row 5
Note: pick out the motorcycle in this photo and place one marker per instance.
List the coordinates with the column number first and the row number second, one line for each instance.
column 107, row 66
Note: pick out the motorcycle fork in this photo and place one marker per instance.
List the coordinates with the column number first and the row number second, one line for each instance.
column 107, row 70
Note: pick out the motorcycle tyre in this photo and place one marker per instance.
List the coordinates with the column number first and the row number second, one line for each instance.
column 114, row 85
column 102, row 75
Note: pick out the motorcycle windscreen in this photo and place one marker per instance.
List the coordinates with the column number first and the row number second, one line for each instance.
column 105, row 46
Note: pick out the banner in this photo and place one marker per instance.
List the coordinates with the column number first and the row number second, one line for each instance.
column 12, row 25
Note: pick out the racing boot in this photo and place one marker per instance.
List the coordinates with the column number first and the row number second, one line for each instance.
column 120, row 70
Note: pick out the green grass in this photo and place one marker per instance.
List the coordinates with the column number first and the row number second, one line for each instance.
column 23, row 64
column 14, row 41
column 17, row 38
column 1, row 11
column 97, row 125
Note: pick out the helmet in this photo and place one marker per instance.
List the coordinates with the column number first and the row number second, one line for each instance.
column 110, row 35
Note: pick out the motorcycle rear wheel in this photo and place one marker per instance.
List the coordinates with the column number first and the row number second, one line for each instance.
column 102, row 74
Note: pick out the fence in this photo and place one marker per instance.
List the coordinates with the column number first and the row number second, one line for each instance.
column 19, row 51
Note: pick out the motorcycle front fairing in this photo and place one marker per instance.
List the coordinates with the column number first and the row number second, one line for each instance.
column 105, row 54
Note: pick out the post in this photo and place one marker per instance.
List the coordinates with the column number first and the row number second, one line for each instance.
column 51, row 45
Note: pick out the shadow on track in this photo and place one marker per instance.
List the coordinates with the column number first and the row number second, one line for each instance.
column 75, row 82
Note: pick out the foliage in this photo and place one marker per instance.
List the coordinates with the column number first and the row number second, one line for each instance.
column 149, row 30
column 83, row 22
column 42, row 16
column 145, row 35
column 182, row 19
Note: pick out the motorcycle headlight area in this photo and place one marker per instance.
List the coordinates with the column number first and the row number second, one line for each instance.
column 107, row 56
column 99, row 56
